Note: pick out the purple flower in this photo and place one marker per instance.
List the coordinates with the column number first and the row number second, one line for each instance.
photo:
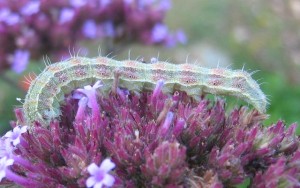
column 159, row 32
column 8, row 17
column 4, row 13
column 32, row 7
column 167, row 165
column 181, row 37
column 167, row 123
column 278, row 174
column 4, row 163
column 38, row 27
column 165, row 5
column 90, row 93
column 99, row 175
column 128, row 2
column 154, row 139
column 89, row 29
column 14, row 135
column 104, row 3
column 66, row 15
column 12, row 19
column 20, row 60
column 6, row 148
column 108, row 29
column 153, row 60
column 82, row 103
column 78, row 3
column 158, row 87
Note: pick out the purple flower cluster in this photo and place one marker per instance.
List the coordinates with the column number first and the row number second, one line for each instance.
column 150, row 139
column 30, row 29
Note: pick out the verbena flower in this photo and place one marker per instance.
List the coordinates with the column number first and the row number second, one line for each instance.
column 151, row 139
column 159, row 32
column 32, row 29
column 4, row 163
column 99, row 175
column 20, row 60
column 15, row 134
column 6, row 148
column 280, row 174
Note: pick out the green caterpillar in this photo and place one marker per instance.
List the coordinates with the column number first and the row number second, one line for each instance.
column 47, row 91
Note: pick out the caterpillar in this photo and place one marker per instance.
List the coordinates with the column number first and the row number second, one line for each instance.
column 47, row 91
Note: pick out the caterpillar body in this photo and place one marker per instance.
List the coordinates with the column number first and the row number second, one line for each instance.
column 47, row 91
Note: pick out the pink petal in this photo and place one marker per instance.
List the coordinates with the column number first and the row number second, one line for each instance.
column 77, row 95
column 90, row 181
column 88, row 87
column 2, row 174
column 97, row 84
column 8, row 134
column 93, row 168
column 23, row 129
column 108, row 180
column 98, row 185
column 16, row 141
column 107, row 165
column 9, row 162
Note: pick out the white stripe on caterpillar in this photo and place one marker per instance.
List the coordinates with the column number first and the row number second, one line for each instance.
column 47, row 90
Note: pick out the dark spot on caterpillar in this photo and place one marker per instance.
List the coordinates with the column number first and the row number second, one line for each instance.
column 128, row 72
column 63, row 78
column 103, row 70
column 189, row 80
column 216, row 82
column 80, row 71
column 239, row 83
column 129, row 75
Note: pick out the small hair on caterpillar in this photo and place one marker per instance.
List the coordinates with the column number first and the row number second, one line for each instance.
column 47, row 91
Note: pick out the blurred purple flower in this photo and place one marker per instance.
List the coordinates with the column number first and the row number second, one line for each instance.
column 66, row 15
column 181, row 37
column 4, row 13
column 143, row 4
column 8, row 17
column 12, row 19
column 32, row 7
column 20, row 60
column 128, row 2
column 165, row 5
column 99, row 175
column 78, row 3
column 89, row 29
column 104, row 3
column 14, row 135
column 30, row 26
column 108, row 28
column 159, row 32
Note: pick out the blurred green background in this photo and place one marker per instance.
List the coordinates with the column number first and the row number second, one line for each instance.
column 259, row 35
